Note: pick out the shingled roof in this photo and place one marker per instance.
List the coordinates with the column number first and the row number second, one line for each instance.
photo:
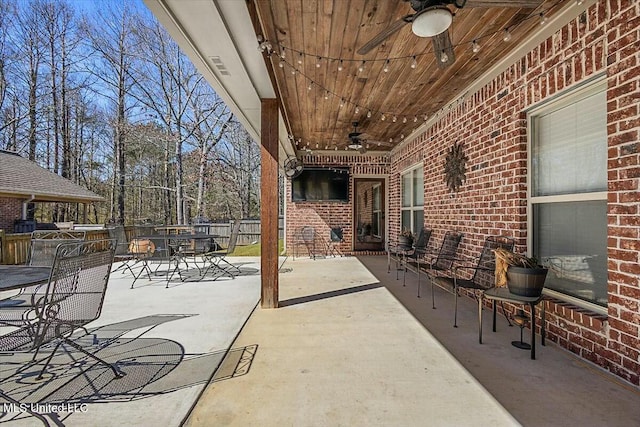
column 22, row 178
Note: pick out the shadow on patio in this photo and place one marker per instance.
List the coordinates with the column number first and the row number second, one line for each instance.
column 167, row 358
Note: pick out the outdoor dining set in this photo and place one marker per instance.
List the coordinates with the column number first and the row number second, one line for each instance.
column 49, row 301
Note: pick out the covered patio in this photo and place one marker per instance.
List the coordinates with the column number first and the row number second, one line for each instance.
column 460, row 135
column 351, row 347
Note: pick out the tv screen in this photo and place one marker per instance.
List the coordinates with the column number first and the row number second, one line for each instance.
column 321, row 184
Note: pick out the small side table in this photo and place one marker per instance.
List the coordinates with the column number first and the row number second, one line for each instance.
column 503, row 294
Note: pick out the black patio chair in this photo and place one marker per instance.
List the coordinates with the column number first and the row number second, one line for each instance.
column 483, row 276
column 73, row 297
column 215, row 257
column 406, row 257
column 306, row 237
column 42, row 248
column 14, row 310
column 438, row 263
column 336, row 237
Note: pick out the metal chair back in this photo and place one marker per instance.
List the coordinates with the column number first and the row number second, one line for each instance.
column 448, row 251
column 484, row 274
column 43, row 245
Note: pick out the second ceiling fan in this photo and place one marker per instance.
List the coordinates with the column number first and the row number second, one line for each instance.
column 432, row 18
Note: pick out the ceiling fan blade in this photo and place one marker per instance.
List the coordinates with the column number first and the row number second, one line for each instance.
column 383, row 35
column 526, row 4
column 442, row 46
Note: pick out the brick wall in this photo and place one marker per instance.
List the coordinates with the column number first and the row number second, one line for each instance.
column 325, row 215
column 491, row 125
column 10, row 210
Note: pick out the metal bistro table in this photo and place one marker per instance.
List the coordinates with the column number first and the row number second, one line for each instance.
column 190, row 244
column 21, row 276
column 503, row 294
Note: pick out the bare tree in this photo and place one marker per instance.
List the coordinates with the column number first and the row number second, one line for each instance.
column 113, row 43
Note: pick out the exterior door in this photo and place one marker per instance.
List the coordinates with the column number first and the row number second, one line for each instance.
column 369, row 214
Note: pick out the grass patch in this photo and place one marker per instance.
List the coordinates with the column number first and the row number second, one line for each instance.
column 254, row 250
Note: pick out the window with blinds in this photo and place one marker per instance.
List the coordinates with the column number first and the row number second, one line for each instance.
column 568, row 193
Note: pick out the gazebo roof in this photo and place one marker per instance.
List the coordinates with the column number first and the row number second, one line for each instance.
column 20, row 178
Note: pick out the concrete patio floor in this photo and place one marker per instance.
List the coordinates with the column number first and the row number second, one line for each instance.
column 350, row 346
column 169, row 342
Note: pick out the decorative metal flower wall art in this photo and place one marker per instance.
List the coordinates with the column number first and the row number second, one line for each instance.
column 455, row 167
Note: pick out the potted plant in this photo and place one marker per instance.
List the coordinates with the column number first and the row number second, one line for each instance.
column 406, row 238
column 525, row 277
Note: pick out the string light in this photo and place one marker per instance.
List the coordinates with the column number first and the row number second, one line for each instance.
column 506, row 35
column 543, row 18
column 383, row 118
column 266, row 47
column 395, row 119
column 579, row 2
column 475, row 47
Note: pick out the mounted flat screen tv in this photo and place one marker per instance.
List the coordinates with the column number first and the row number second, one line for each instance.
column 321, row 185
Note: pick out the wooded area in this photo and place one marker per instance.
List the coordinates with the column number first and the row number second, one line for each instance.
column 99, row 93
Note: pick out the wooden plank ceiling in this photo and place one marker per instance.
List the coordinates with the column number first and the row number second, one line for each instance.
column 317, row 36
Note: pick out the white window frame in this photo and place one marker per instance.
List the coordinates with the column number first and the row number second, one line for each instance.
column 413, row 207
column 585, row 90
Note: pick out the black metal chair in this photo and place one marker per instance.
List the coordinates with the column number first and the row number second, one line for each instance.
column 406, row 257
column 483, row 276
column 42, row 248
column 438, row 263
column 336, row 237
column 215, row 258
column 306, row 237
column 73, row 297
column 14, row 310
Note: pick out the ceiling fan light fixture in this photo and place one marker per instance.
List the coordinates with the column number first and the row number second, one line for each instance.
column 432, row 21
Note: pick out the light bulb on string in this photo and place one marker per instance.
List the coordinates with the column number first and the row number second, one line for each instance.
column 310, row 86
column 395, row 119
column 383, row 118
column 340, row 65
column 404, row 120
column 506, row 36
column 281, row 64
column 357, row 109
column 579, row 2
column 475, row 47
column 386, row 67
column 300, row 59
column 543, row 18
column 341, row 102
column 361, row 67
column 326, row 95
column 415, row 119
column 318, row 63
column 414, row 63
column 369, row 114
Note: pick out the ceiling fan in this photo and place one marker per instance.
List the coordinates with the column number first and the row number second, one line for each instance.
column 432, row 18
column 359, row 141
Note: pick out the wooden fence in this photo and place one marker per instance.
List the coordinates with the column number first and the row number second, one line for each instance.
column 14, row 248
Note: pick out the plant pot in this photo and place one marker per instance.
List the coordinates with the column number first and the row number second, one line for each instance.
column 527, row 282
column 405, row 241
